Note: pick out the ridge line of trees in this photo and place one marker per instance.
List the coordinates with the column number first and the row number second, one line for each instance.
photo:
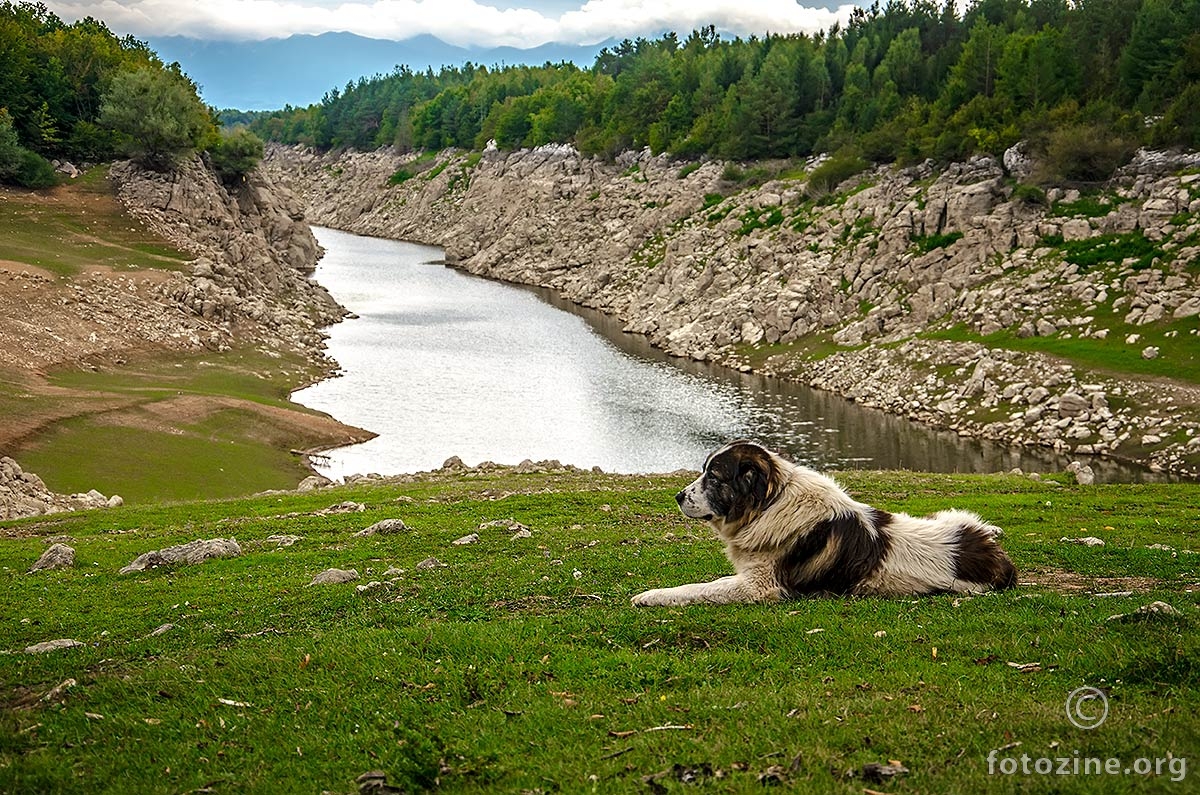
column 1085, row 82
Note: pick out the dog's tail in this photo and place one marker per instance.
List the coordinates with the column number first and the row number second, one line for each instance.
column 979, row 559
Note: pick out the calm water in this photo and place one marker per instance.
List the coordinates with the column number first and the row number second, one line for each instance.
column 440, row 363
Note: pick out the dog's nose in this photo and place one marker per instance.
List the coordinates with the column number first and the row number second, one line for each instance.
column 679, row 498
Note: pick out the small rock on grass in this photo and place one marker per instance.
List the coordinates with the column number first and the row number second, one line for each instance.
column 383, row 527
column 467, row 539
column 313, row 482
column 335, row 577
column 431, row 563
column 342, row 507
column 1084, row 475
column 187, row 554
column 1087, row 541
column 52, row 645
column 1154, row 610
column 59, row 556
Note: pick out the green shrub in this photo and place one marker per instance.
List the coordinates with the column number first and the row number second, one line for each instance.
column 1112, row 250
column 158, row 115
column 400, row 175
column 718, row 215
column 834, row 171
column 748, row 177
column 10, row 148
column 1087, row 206
column 235, row 154
column 1029, row 194
column 760, row 219
column 733, row 173
column 690, row 168
column 19, row 165
column 90, row 141
column 35, row 171
column 1085, row 153
column 926, row 243
column 1180, row 125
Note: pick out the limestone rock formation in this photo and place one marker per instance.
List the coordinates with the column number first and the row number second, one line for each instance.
column 254, row 252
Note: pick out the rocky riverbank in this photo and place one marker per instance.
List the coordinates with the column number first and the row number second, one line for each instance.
column 936, row 294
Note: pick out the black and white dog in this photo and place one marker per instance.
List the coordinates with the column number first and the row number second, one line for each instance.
column 790, row 532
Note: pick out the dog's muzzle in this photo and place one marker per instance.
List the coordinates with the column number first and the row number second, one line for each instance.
column 691, row 506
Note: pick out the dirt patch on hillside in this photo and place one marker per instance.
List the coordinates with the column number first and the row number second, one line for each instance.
column 1073, row 583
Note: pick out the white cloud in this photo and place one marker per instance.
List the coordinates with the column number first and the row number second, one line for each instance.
column 462, row 22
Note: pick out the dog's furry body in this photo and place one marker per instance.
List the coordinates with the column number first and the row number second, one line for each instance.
column 790, row 532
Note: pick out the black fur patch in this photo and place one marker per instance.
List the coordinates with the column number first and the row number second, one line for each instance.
column 977, row 558
column 740, row 481
column 858, row 554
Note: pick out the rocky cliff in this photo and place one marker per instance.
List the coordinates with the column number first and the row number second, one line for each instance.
column 953, row 296
column 254, row 252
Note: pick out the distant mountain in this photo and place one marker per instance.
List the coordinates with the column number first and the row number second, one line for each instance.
column 298, row 70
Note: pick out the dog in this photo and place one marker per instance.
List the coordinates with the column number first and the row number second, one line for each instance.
column 792, row 532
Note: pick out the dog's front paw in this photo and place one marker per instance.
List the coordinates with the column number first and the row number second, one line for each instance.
column 657, row 597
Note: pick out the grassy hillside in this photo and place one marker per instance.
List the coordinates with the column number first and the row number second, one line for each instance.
column 77, row 227
column 519, row 666
column 91, row 400
column 179, row 427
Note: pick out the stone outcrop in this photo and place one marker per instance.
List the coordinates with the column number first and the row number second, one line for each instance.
column 58, row 556
column 713, row 270
column 254, row 252
column 335, row 577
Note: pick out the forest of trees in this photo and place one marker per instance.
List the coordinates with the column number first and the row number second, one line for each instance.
column 78, row 92
column 1084, row 82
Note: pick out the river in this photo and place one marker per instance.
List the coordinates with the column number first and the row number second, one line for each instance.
column 440, row 363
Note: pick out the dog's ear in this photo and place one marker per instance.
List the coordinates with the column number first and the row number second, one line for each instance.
column 752, row 479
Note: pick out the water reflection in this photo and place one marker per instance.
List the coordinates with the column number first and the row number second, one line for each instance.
column 440, row 363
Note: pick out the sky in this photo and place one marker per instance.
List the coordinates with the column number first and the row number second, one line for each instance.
column 466, row 23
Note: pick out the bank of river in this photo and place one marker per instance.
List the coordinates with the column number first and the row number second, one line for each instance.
column 440, row 363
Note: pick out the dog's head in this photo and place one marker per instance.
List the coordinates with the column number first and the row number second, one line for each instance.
column 738, row 483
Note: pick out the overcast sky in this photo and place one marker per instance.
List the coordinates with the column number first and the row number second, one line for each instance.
column 485, row 23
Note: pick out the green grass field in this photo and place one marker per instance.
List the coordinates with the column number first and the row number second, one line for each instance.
column 519, row 666
column 177, row 427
